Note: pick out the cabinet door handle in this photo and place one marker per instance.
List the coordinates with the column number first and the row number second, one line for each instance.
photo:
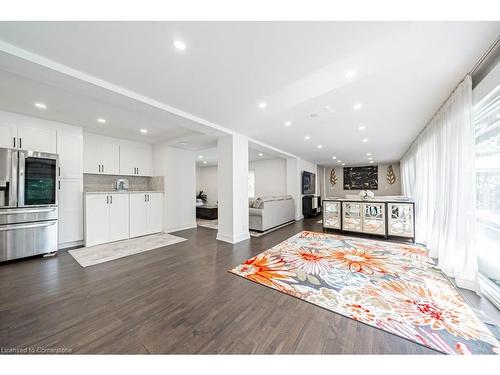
column 103, row 167
column 59, row 184
column 20, row 143
column 107, row 199
column 99, row 165
column 59, row 171
column 111, row 199
column 14, row 138
column 137, row 170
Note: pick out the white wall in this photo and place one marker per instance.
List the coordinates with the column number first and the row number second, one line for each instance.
column 384, row 188
column 179, row 170
column 206, row 180
column 270, row 177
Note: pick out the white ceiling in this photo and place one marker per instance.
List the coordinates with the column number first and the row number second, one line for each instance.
column 404, row 72
column 255, row 153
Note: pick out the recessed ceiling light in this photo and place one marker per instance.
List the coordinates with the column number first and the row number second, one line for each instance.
column 262, row 105
column 357, row 106
column 364, row 140
column 200, row 156
column 319, row 146
column 307, row 137
column 343, row 163
column 288, row 123
column 180, row 45
column 368, row 154
column 339, row 161
column 101, row 120
column 40, row 105
column 205, row 162
column 350, row 74
column 183, row 143
column 361, row 127
column 144, row 131
column 371, row 161
column 261, row 154
column 313, row 115
column 370, row 158
column 334, row 157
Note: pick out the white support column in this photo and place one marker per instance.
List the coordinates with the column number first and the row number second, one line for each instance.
column 232, row 181
column 292, row 185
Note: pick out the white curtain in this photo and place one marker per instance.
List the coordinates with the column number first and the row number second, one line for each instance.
column 438, row 173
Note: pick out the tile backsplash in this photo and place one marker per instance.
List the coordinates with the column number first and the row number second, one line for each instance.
column 99, row 182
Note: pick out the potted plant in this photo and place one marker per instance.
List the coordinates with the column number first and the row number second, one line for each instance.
column 201, row 198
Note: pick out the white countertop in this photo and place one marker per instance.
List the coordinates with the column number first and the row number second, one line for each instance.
column 124, row 192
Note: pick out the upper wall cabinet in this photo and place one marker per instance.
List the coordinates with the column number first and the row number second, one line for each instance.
column 105, row 155
column 136, row 159
column 101, row 155
column 8, row 135
column 28, row 137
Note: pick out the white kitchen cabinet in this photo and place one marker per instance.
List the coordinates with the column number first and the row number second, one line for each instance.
column 146, row 213
column 136, row 159
column 8, row 135
column 70, row 211
column 155, row 212
column 138, row 214
column 37, row 138
column 70, row 151
column 118, row 217
column 101, row 155
column 96, row 219
column 28, row 137
column 106, row 218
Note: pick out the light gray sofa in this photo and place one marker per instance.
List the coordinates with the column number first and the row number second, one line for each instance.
column 268, row 212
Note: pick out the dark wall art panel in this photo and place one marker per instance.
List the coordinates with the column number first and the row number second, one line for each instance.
column 361, row 178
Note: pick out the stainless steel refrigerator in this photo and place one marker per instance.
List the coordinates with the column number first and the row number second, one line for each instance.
column 28, row 203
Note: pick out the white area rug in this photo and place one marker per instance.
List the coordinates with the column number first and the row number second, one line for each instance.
column 89, row 256
column 213, row 224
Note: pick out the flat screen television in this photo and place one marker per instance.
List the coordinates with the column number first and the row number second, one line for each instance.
column 308, row 183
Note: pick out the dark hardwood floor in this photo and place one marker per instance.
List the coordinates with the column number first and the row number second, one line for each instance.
column 177, row 299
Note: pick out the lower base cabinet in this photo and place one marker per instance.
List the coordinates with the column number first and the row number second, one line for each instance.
column 113, row 217
column 146, row 213
column 106, row 218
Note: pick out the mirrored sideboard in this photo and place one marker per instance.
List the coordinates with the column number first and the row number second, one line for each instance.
column 378, row 216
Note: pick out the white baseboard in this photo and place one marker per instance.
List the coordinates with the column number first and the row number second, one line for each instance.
column 176, row 228
column 232, row 239
column 298, row 218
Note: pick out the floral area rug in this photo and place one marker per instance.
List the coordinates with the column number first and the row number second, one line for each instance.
column 392, row 286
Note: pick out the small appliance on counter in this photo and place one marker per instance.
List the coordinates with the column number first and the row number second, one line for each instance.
column 121, row 184
column 28, row 203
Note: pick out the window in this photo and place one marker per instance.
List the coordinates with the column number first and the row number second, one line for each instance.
column 487, row 134
column 251, row 184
